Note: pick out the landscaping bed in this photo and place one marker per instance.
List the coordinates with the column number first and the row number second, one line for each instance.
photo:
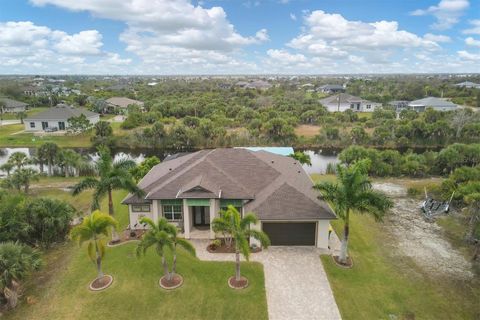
column 224, row 248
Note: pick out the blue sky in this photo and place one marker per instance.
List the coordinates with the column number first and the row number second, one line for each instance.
column 238, row 36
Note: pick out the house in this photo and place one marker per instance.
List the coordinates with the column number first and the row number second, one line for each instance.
column 12, row 106
column 468, row 85
column 122, row 103
column 190, row 189
column 256, row 84
column 331, row 88
column 399, row 105
column 432, row 102
column 57, row 117
column 344, row 101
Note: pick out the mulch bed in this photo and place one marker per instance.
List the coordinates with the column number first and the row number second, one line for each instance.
column 127, row 235
column 223, row 248
column 347, row 265
column 101, row 283
column 234, row 284
column 175, row 282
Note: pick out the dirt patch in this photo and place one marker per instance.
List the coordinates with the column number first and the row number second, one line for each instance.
column 101, row 283
column 238, row 284
column 307, row 130
column 422, row 241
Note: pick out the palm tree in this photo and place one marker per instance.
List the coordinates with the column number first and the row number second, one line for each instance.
column 353, row 193
column 92, row 230
column 23, row 178
column 163, row 235
column 7, row 167
column 17, row 261
column 18, row 159
column 301, row 157
column 241, row 232
column 112, row 175
column 69, row 161
column 49, row 150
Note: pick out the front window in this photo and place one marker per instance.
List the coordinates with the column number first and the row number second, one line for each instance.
column 172, row 212
column 32, row 124
column 141, row 208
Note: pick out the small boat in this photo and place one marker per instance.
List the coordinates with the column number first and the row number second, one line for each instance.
column 431, row 207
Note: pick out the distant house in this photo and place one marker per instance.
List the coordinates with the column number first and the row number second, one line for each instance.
column 432, row 102
column 331, row 88
column 468, row 85
column 122, row 103
column 256, row 84
column 399, row 105
column 57, row 117
column 344, row 101
column 12, row 106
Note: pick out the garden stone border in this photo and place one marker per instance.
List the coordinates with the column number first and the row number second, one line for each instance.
column 238, row 288
column 342, row 265
column 171, row 288
column 121, row 243
column 102, row 288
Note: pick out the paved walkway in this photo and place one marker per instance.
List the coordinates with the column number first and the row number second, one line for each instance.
column 296, row 283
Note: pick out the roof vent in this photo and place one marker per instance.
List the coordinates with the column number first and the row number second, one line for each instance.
column 169, row 169
column 295, row 162
column 273, row 161
column 299, row 171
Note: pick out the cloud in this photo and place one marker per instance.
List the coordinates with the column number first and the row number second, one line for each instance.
column 293, row 17
column 447, row 13
column 475, row 29
column 472, row 42
column 170, row 26
column 468, row 56
column 26, row 47
column 437, row 37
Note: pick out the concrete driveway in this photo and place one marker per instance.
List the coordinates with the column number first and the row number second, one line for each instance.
column 296, row 283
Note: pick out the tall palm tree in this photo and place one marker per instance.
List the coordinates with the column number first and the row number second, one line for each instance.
column 112, row 175
column 19, row 159
column 49, row 150
column 7, row 167
column 23, row 178
column 163, row 235
column 241, row 232
column 93, row 229
column 353, row 193
column 69, row 161
column 17, row 261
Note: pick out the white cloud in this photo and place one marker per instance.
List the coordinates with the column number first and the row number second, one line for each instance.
column 475, row 29
column 86, row 42
column 447, row 13
column 437, row 37
column 468, row 56
column 293, row 16
column 170, row 26
column 285, row 57
column 472, row 42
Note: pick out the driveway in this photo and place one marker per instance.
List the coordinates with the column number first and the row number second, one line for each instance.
column 9, row 122
column 295, row 281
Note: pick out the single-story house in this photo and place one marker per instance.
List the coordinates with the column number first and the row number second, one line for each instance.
column 57, row 117
column 122, row 103
column 12, row 106
column 399, row 105
column 344, row 101
column 432, row 102
column 189, row 190
column 468, row 85
column 331, row 88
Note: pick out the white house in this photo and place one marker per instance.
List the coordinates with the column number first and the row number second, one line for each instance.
column 12, row 106
column 432, row 102
column 344, row 101
column 57, row 117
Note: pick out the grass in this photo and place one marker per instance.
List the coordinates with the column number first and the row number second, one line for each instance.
column 307, row 130
column 60, row 290
column 31, row 112
column 382, row 285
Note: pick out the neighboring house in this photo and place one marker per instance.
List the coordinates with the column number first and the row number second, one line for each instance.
column 57, row 117
column 190, row 189
column 331, row 88
column 468, row 85
column 256, row 84
column 399, row 105
column 432, row 102
column 344, row 101
column 12, row 106
column 122, row 103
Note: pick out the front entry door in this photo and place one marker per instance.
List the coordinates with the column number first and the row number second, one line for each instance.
column 61, row 125
column 201, row 216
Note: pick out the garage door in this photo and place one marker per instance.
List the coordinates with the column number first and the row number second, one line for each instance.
column 290, row 234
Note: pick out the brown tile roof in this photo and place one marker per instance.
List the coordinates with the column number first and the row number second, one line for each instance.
column 275, row 186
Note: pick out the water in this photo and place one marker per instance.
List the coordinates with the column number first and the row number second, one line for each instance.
column 320, row 158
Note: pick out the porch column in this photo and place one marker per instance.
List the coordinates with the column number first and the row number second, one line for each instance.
column 186, row 219
column 155, row 210
column 213, row 214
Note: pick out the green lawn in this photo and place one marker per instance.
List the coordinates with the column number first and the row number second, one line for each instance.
column 31, row 112
column 60, row 290
column 383, row 284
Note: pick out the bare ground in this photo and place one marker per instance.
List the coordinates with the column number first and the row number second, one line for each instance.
column 420, row 240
